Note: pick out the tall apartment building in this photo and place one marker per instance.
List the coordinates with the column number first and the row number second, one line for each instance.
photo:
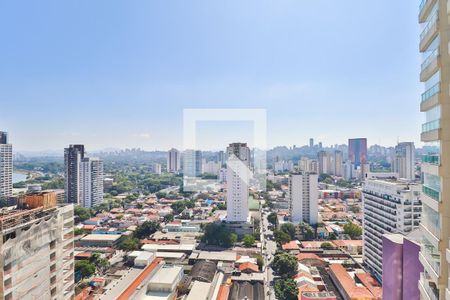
column 389, row 207
column 72, row 158
column 90, row 182
column 303, row 197
column 435, row 74
column 404, row 160
column 37, row 257
column 324, row 162
column 6, row 166
column 308, row 165
column 338, row 163
column 173, row 161
column 238, row 176
column 357, row 151
column 192, row 163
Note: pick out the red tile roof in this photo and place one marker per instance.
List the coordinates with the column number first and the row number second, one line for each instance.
column 302, row 256
column 371, row 284
column 248, row 266
column 346, row 243
column 348, row 284
column 223, row 292
column 292, row 245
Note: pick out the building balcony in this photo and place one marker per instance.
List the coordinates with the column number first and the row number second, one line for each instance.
column 425, row 9
column 431, row 131
column 430, row 98
column 427, row 288
column 429, row 33
column 434, row 194
column 433, row 159
column 429, row 66
column 431, row 261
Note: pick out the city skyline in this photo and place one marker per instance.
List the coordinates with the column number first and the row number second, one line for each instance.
column 95, row 87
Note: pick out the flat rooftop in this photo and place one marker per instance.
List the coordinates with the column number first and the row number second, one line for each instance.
column 166, row 275
column 101, row 237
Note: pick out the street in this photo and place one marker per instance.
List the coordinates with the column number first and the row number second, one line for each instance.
column 269, row 249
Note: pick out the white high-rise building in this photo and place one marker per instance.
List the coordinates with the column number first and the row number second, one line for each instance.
column 91, row 182
column 324, row 162
column 303, row 195
column 6, row 166
column 338, row 163
column 173, row 161
column 404, row 160
column 389, row 207
column 157, row 169
column 238, row 176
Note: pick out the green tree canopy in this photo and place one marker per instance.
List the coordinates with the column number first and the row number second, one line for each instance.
column 129, row 244
column 286, row 289
column 281, row 237
column 272, row 218
column 326, row 246
column 146, row 229
column 85, row 267
column 82, row 213
column 289, row 229
column 352, row 230
column 285, row 265
column 219, row 235
column 248, row 240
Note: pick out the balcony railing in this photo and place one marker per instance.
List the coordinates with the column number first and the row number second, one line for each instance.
column 432, row 125
column 429, row 59
column 433, row 258
column 432, row 292
column 433, row 159
column 431, row 192
column 435, row 89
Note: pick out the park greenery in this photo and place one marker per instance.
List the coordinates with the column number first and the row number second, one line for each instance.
column 248, row 240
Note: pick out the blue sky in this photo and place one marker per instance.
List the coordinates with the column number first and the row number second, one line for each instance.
column 119, row 73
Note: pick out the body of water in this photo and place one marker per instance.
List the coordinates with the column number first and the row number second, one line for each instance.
column 18, row 177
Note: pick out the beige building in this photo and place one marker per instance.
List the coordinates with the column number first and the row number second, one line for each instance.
column 37, row 260
column 435, row 103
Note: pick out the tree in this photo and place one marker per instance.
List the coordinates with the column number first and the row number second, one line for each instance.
column 219, row 235
column 289, row 229
column 260, row 262
column 286, row 289
column 327, row 246
column 168, row 218
column 129, row 244
column 78, row 231
column 248, row 240
column 352, row 230
column 146, row 229
column 178, row 207
column 85, row 267
column 272, row 218
column 281, row 237
column 82, row 213
column 285, row 265
column 221, row 206
column 332, row 236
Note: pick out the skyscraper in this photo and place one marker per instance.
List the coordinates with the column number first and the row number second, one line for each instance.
column 6, row 166
column 311, row 142
column 303, row 197
column 338, row 163
column 72, row 158
column 435, row 74
column 238, row 176
column 173, row 161
column 324, row 162
column 389, row 207
column 192, row 163
column 90, row 182
column 404, row 160
column 357, row 151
